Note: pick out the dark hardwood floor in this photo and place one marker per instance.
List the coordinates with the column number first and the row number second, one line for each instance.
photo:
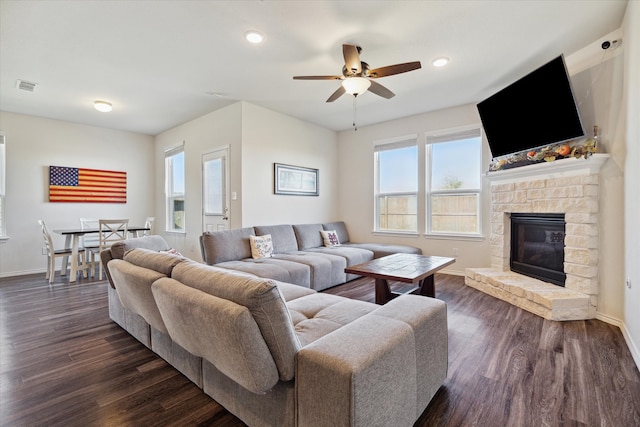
column 64, row 363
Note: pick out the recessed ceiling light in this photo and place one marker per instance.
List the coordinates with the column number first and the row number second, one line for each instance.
column 254, row 37
column 440, row 62
column 103, row 106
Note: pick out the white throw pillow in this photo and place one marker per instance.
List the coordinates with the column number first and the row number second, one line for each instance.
column 330, row 238
column 261, row 246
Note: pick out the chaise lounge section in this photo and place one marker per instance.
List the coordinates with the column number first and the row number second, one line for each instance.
column 299, row 253
column 278, row 354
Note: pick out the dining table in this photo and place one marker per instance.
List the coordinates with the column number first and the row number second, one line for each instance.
column 72, row 240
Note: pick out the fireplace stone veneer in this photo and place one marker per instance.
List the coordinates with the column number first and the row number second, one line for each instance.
column 568, row 186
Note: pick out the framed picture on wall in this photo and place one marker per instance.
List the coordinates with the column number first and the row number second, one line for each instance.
column 295, row 180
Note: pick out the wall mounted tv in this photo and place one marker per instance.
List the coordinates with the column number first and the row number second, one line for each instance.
column 537, row 110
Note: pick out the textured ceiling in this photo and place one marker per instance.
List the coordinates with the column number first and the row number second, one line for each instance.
column 159, row 62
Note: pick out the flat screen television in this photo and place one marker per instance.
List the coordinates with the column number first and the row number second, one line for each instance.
column 537, row 110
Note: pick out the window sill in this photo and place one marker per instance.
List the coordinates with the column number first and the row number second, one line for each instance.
column 4, row 239
column 176, row 232
column 467, row 237
column 411, row 234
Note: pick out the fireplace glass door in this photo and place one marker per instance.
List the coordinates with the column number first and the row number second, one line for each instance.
column 537, row 246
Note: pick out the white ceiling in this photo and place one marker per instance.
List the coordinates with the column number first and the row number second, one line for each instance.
column 159, row 61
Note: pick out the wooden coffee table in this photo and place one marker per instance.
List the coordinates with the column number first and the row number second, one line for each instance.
column 407, row 268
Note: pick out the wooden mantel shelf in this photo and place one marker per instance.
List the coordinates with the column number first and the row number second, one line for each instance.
column 555, row 169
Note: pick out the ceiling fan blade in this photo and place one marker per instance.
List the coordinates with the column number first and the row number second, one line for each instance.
column 390, row 70
column 380, row 90
column 351, row 58
column 337, row 94
column 317, row 77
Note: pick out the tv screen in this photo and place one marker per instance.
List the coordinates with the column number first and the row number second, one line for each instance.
column 537, row 110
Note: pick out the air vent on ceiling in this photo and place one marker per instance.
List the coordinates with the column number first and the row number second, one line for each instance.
column 25, row 85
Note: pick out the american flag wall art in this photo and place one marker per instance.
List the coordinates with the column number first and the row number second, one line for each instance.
column 86, row 185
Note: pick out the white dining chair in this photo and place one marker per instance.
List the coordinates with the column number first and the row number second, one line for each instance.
column 111, row 231
column 53, row 253
column 90, row 243
column 148, row 223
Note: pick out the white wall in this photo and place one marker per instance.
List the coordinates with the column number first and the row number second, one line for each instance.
column 258, row 137
column 269, row 137
column 599, row 93
column 34, row 144
column 632, row 179
column 202, row 135
column 357, row 172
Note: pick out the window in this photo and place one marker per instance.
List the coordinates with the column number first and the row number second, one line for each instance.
column 3, row 175
column 174, row 188
column 453, row 187
column 396, row 188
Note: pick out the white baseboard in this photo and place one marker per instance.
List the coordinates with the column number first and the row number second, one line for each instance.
column 23, row 272
column 633, row 348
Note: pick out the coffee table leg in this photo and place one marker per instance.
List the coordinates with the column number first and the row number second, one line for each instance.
column 383, row 293
column 428, row 287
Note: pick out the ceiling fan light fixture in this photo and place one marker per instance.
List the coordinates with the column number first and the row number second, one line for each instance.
column 103, row 106
column 254, row 37
column 440, row 61
column 355, row 85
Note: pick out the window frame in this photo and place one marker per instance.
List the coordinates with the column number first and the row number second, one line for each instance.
column 170, row 196
column 388, row 145
column 442, row 136
column 3, row 186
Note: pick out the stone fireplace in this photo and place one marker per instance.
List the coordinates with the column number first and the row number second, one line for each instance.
column 568, row 187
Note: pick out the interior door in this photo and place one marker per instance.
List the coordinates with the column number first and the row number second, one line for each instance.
column 215, row 190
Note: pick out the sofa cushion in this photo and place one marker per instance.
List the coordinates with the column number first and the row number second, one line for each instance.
column 271, row 268
column 161, row 262
column 133, row 286
column 341, row 229
column 325, row 270
column 317, row 315
column 260, row 296
column 261, row 246
column 308, row 235
column 227, row 245
column 219, row 330
column 283, row 236
column 154, row 243
column 384, row 249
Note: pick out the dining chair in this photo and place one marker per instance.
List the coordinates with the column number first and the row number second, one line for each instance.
column 148, row 223
column 111, row 231
column 53, row 253
column 90, row 243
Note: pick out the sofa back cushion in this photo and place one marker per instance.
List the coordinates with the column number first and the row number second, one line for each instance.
column 283, row 237
column 218, row 330
column 161, row 262
column 227, row 245
column 308, row 235
column 341, row 229
column 154, row 243
column 133, row 286
column 263, row 300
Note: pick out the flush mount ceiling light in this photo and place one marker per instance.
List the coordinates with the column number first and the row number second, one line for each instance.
column 254, row 37
column 103, row 106
column 440, row 62
column 356, row 85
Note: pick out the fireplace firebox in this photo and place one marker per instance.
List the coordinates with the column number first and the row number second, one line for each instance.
column 537, row 246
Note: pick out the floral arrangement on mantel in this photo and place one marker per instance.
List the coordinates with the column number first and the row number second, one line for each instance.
column 549, row 153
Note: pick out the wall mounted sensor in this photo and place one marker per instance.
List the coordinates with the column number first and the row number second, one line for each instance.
column 610, row 44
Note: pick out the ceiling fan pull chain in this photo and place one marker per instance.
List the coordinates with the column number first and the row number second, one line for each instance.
column 355, row 127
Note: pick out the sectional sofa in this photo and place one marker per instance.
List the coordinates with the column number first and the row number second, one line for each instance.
column 299, row 253
column 275, row 353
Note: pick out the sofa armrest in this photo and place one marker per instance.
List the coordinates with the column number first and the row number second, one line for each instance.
column 106, row 256
column 382, row 369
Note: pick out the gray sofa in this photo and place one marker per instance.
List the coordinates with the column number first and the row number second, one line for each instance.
column 277, row 354
column 299, row 255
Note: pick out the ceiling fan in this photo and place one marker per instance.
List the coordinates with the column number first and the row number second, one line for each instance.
column 357, row 77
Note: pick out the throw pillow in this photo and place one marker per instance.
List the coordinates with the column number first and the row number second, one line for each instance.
column 261, row 246
column 330, row 238
column 172, row 251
